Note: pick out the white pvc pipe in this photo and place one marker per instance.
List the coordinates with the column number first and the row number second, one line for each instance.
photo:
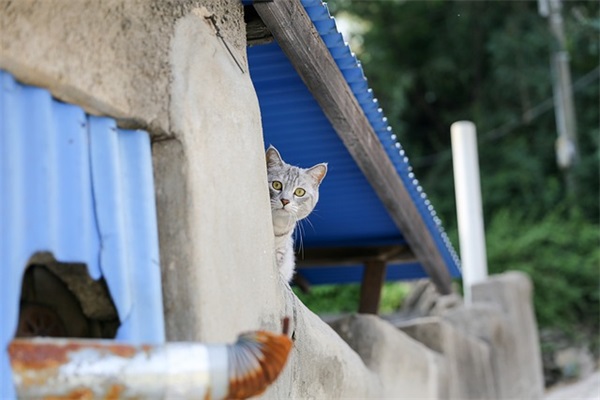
column 468, row 205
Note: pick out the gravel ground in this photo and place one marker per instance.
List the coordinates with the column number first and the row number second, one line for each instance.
column 585, row 389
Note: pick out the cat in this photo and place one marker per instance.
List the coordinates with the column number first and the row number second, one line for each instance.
column 294, row 192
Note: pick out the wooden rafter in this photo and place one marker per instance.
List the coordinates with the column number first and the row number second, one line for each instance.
column 342, row 256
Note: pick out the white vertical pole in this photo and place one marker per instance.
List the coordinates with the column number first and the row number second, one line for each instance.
column 468, row 205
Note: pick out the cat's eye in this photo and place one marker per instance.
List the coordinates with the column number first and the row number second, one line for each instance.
column 276, row 185
column 299, row 192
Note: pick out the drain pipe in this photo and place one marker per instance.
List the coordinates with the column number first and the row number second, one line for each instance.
column 67, row 369
column 468, row 205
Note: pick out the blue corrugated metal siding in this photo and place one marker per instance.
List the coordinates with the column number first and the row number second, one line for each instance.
column 349, row 212
column 80, row 188
column 123, row 187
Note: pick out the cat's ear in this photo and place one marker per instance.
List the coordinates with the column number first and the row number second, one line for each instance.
column 318, row 172
column 273, row 157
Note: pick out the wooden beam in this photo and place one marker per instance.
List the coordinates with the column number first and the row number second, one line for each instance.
column 370, row 289
column 342, row 256
column 301, row 282
column 296, row 35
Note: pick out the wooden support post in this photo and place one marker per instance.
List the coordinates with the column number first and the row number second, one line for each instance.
column 370, row 290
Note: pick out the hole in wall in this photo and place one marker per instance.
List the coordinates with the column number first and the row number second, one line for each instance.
column 62, row 300
column 256, row 31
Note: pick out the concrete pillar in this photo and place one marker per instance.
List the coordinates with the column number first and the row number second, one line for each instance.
column 512, row 293
column 214, row 219
column 407, row 369
column 488, row 323
column 469, row 363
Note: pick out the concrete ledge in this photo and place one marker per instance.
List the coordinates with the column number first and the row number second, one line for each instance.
column 469, row 362
column 406, row 368
column 487, row 323
column 511, row 293
column 322, row 365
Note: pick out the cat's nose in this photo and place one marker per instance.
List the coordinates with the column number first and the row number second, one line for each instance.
column 285, row 202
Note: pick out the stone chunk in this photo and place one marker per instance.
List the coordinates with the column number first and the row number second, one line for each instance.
column 468, row 358
column 511, row 292
column 487, row 323
column 407, row 369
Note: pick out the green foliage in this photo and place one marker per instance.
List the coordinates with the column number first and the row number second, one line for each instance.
column 561, row 253
column 336, row 299
column 392, row 297
column 435, row 62
column 331, row 299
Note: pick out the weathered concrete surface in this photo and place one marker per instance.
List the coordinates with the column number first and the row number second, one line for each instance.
column 584, row 389
column 424, row 300
column 512, row 293
column 407, row 369
column 322, row 366
column 110, row 57
column 469, row 365
column 488, row 323
column 220, row 263
column 500, row 317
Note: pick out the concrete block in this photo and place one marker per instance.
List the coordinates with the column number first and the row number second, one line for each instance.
column 470, row 373
column 111, row 57
column 215, row 230
column 487, row 323
column 407, row 369
column 512, row 293
column 322, row 365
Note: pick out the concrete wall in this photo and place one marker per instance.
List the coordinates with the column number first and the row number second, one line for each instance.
column 221, row 262
column 512, row 294
column 111, row 57
column 406, row 368
column 468, row 358
column 491, row 346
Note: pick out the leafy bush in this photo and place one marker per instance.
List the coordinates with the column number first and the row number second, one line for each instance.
column 561, row 253
column 336, row 299
column 331, row 299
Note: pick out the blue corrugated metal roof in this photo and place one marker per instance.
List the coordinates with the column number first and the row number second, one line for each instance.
column 349, row 212
column 78, row 187
column 354, row 273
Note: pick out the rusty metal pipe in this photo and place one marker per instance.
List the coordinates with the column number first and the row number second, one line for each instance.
column 63, row 368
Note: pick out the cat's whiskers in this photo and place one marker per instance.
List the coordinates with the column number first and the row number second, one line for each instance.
column 310, row 223
column 291, row 217
column 299, row 234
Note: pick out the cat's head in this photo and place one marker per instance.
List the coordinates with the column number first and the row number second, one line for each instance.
column 294, row 191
